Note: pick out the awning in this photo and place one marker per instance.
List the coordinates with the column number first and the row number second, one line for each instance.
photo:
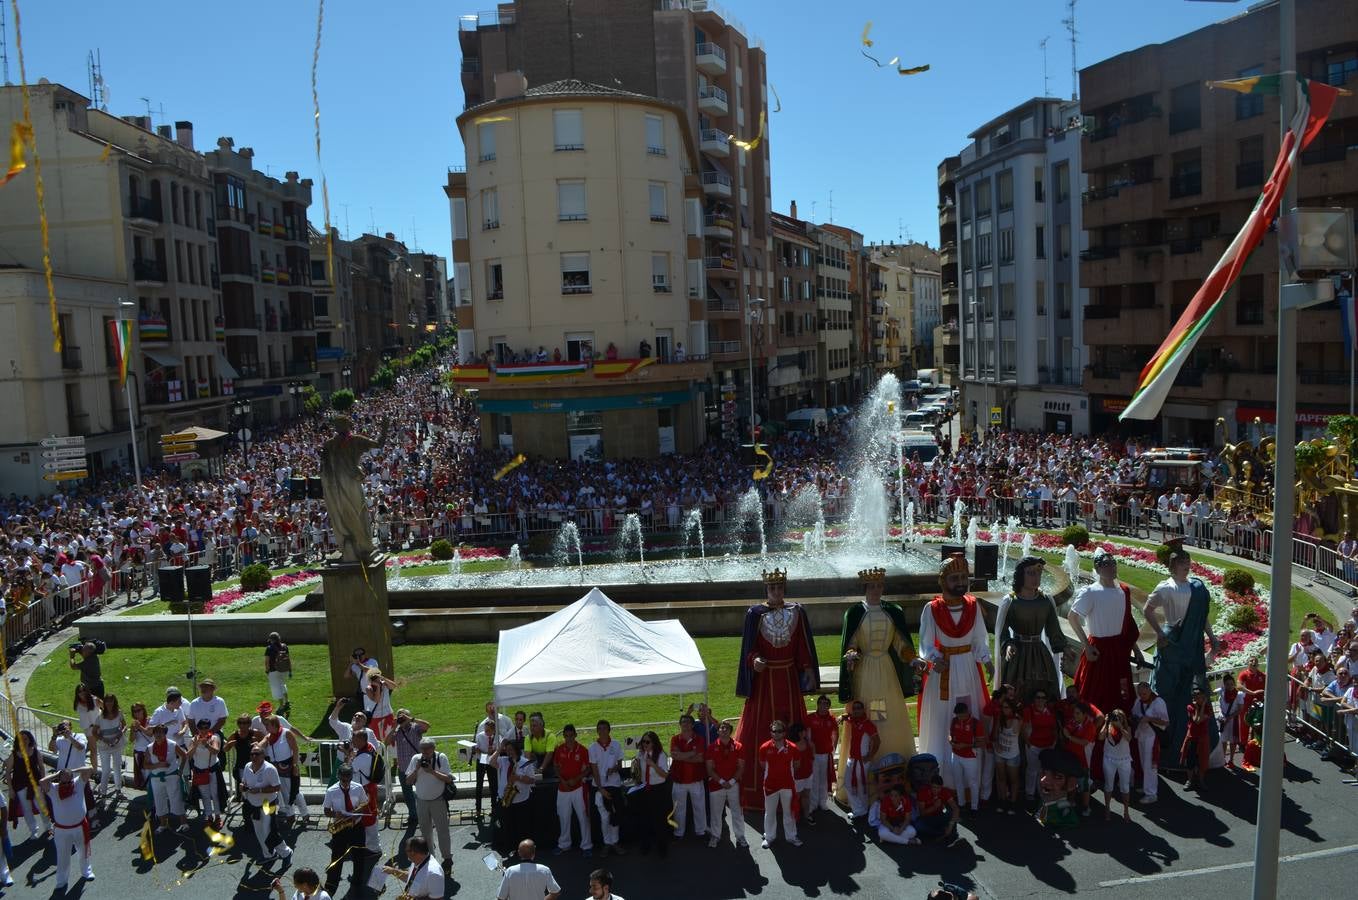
column 165, row 359
column 225, row 368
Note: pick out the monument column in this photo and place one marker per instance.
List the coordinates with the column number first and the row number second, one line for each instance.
column 356, row 615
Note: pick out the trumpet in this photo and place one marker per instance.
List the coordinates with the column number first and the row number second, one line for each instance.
column 347, row 821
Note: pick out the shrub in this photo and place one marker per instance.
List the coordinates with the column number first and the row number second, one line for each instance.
column 313, row 402
column 1242, row 617
column 255, row 577
column 1076, row 535
column 383, row 377
column 342, row 400
column 441, row 549
column 1162, row 554
column 1238, row 581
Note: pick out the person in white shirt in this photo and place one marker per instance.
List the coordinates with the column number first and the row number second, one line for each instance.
column 1117, row 761
column 528, row 880
column 358, row 669
column 1150, row 716
column 260, row 785
column 429, row 774
column 280, row 748
column 1322, row 634
column 207, row 705
column 65, row 791
column 344, row 803
column 173, row 716
column 110, row 733
column 424, row 879
column 204, row 753
column 601, row 880
column 306, row 886
column 605, row 759
column 486, row 744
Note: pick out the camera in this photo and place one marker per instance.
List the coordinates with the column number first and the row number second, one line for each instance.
column 425, row 763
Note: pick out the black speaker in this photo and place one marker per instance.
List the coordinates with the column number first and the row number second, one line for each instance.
column 950, row 549
column 313, row 489
column 297, row 488
column 171, row 579
column 199, row 582
column 987, row 563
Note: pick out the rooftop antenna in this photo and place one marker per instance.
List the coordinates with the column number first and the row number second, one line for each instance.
column 372, row 221
column 414, row 233
column 346, row 220
column 832, row 207
column 900, row 230
column 4, row 52
column 1069, row 22
column 813, row 212
column 1046, row 82
column 150, row 117
column 98, row 90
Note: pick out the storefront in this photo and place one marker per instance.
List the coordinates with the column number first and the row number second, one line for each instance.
column 1051, row 412
column 594, row 426
column 1103, row 418
column 1254, row 422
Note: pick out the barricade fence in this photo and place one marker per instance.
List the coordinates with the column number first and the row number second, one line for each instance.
column 1319, row 718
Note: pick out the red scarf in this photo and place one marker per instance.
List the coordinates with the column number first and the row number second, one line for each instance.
column 161, row 748
column 943, row 617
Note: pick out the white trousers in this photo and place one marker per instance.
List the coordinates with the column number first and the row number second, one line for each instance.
column 856, row 786
column 1150, row 774
column 887, row 836
column 207, row 796
column 820, row 781
column 1033, row 770
column 987, row 759
column 298, row 808
column 34, row 817
column 683, row 794
column 69, row 842
column 278, row 685
column 568, row 802
column 967, row 775
column 111, row 765
column 610, row 832
column 376, row 878
column 1117, row 771
column 262, row 826
column 772, row 801
column 167, row 794
column 718, row 802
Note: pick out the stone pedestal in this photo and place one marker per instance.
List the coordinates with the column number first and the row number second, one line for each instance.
column 356, row 615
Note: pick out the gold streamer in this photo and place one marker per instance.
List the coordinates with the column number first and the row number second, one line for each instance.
column 915, row 70
column 751, row 144
column 778, row 102
column 103, row 157
column 509, row 467
column 19, row 134
column 486, row 120
column 37, row 182
column 316, row 111
column 867, row 41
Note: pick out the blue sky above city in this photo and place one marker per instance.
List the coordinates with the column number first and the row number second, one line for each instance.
column 390, row 90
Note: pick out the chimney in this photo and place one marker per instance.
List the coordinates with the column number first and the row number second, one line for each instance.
column 509, row 85
column 794, row 209
column 183, row 134
column 389, row 236
column 225, row 143
column 290, row 177
column 164, row 131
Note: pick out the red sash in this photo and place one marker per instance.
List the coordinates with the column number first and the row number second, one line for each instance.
column 938, row 607
column 84, row 826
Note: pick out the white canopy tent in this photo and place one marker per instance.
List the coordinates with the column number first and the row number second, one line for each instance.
column 594, row 650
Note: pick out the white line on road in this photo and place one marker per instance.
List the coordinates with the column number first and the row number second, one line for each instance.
column 1210, row 870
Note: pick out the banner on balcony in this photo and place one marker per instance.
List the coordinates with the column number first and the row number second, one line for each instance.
column 175, row 390
column 204, row 389
column 228, row 387
column 544, row 371
column 154, row 330
column 1314, row 102
column 121, row 332
column 466, row 374
column 617, row 368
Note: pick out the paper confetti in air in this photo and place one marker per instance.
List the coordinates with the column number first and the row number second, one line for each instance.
column 750, row 145
column 779, row 103
column 19, row 134
column 486, row 120
column 510, row 466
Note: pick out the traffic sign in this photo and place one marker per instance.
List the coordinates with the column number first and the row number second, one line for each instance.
column 66, row 476
column 76, row 441
column 170, row 449
column 183, row 437
column 180, row 457
column 996, row 415
column 65, row 465
column 64, row 453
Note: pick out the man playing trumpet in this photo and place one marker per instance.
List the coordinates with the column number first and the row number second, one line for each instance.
column 424, row 878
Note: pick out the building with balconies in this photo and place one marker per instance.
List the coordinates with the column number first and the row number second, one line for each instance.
column 794, row 376
column 581, row 250
column 834, row 310
column 1016, row 189
column 1173, row 169
column 914, row 294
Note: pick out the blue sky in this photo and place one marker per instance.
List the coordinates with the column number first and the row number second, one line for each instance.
column 390, row 89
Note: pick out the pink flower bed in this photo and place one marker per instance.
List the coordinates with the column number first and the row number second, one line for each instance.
column 277, row 584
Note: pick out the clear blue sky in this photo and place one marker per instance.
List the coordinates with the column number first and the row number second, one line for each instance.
column 390, row 89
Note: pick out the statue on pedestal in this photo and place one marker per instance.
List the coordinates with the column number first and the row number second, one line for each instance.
column 342, row 484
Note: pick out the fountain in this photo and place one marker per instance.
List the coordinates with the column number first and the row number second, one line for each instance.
column 900, row 481
column 455, row 564
column 750, row 510
column 1027, row 548
column 631, row 534
column 909, row 524
column 869, row 514
column 568, row 538
column 516, row 563
column 1011, row 527
column 693, row 522
column 958, row 508
column 1071, row 564
column 973, row 534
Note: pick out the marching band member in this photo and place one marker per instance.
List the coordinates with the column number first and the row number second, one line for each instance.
column 570, row 760
column 687, row 750
column 424, row 879
column 605, row 759
column 306, row 884
column 725, row 766
column 344, row 806
column 260, row 783
column 517, row 774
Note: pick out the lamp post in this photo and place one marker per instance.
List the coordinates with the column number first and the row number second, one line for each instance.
column 345, row 373
column 753, row 312
column 127, row 388
column 241, row 409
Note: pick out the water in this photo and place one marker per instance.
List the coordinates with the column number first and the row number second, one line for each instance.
column 693, row 524
column 900, row 484
column 568, row 539
column 958, row 508
column 1027, row 548
column 877, row 459
column 908, row 529
column 973, row 534
column 631, row 535
column 455, row 564
column 750, row 511
column 1011, row 529
column 516, row 563
column 1071, row 564
column 869, row 508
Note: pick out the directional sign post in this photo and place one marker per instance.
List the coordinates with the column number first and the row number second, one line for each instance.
column 64, row 458
column 181, row 447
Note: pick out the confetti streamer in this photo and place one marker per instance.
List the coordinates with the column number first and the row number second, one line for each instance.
column 221, row 841
column 146, row 843
column 19, row 134
column 867, row 41
column 103, row 157
column 510, row 466
column 316, row 111
column 750, row 145
column 779, row 106
column 486, row 120
column 915, row 70
column 37, row 183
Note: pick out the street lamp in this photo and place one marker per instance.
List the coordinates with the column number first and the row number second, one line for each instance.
column 754, row 311
column 345, row 373
column 127, row 387
column 241, row 410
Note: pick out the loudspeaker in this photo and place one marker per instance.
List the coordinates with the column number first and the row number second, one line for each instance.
column 199, row 582
column 313, row 489
column 950, row 549
column 297, row 488
column 171, row 579
column 986, row 566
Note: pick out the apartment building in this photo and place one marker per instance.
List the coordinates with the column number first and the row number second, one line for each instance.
column 927, row 312
column 915, row 297
column 835, row 262
column 1018, row 185
column 430, row 272
column 132, row 233
column 794, row 375
column 337, row 319
column 577, row 237
column 948, row 333
column 1173, row 170
column 694, row 56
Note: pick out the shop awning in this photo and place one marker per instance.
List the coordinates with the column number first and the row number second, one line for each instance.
column 225, row 368
column 165, row 359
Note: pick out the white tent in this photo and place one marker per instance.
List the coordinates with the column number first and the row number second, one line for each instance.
column 594, row 649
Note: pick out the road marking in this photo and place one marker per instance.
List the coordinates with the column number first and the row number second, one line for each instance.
column 1211, row 870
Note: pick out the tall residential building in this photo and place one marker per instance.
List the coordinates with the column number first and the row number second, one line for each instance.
column 948, row 335
column 795, row 376
column 577, row 229
column 264, row 249
column 689, row 54
column 337, row 333
column 897, row 299
column 918, row 265
column 834, row 309
column 131, row 220
column 1018, row 186
column 431, row 278
column 1173, row 171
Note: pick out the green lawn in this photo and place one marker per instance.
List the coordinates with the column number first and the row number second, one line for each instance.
column 444, row 683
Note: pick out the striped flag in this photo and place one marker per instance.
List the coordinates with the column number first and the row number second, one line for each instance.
column 121, row 330
column 1314, row 102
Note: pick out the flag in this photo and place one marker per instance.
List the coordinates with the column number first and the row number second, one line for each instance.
column 761, row 474
column 471, row 373
column 1314, row 102
column 19, row 134
column 538, row 371
column 121, row 330
column 617, row 368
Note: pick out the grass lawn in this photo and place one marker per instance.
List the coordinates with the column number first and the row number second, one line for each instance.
column 447, row 684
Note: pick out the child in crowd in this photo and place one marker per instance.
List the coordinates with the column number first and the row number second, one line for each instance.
column 1117, row 761
column 1197, row 741
column 1230, row 707
column 964, row 734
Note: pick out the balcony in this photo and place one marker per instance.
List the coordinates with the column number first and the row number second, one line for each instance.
column 718, row 225
column 145, row 210
column 721, row 266
column 947, row 214
column 265, row 227
column 1249, row 174
column 1099, row 379
column 716, row 184
column 723, row 304
column 301, row 367
column 712, row 99
column 710, row 59
column 148, row 271
column 715, row 142
column 723, row 348
column 947, row 254
column 1185, row 184
column 268, row 274
column 70, row 357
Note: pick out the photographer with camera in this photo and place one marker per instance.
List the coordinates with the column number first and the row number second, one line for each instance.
column 405, row 737
column 429, row 774
column 83, row 657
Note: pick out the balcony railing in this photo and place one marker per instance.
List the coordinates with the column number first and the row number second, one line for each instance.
column 719, row 262
column 148, row 270
column 723, row 304
column 713, row 136
column 715, row 347
column 717, row 178
column 712, row 92
column 1094, row 254
column 145, row 208
column 709, row 49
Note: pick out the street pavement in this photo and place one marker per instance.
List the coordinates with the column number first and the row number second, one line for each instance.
column 1180, row 845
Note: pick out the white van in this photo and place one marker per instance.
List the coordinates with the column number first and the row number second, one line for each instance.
column 919, row 443
column 808, row 419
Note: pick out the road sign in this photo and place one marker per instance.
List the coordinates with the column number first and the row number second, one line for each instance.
column 996, row 415
column 170, row 449
column 183, row 437
column 65, row 465
column 180, row 457
column 77, row 441
column 64, row 453
column 65, row 476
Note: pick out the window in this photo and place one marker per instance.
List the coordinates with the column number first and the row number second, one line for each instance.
column 459, row 219
column 1063, row 241
column 1062, row 173
column 964, row 201
column 1249, row 300
column 1186, row 175
column 1004, row 187
column 1249, row 170
column 1063, row 300
column 575, row 273
column 1247, row 106
column 1007, row 301
column 1338, row 72
column 660, row 273
column 1041, row 246
column 495, row 280
column 1040, row 299
column 982, row 198
column 174, row 201
column 967, row 261
column 490, row 209
column 1006, row 245
column 579, row 345
column 570, row 200
column 485, row 135
column 503, row 352
column 659, row 202
column 1185, row 108
column 568, row 129
column 696, row 279
column 983, row 250
column 655, row 135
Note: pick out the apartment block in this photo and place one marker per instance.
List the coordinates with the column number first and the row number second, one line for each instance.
column 1173, row 170
column 913, row 296
column 948, row 334
column 794, row 374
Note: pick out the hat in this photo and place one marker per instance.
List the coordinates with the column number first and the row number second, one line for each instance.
column 776, row 576
column 1103, row 556
column 872, row 576
column 207, row 682
column 264, row 708
column 955, row 563
column 172, row 693
column 888, row 762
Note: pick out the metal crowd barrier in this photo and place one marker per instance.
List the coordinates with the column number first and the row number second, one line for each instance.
column 1317, row 713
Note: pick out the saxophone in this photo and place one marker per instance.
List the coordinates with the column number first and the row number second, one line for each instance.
column 511, row 791
column 347, row 821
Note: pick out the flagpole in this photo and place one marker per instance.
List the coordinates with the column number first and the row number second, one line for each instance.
column 127, row 388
